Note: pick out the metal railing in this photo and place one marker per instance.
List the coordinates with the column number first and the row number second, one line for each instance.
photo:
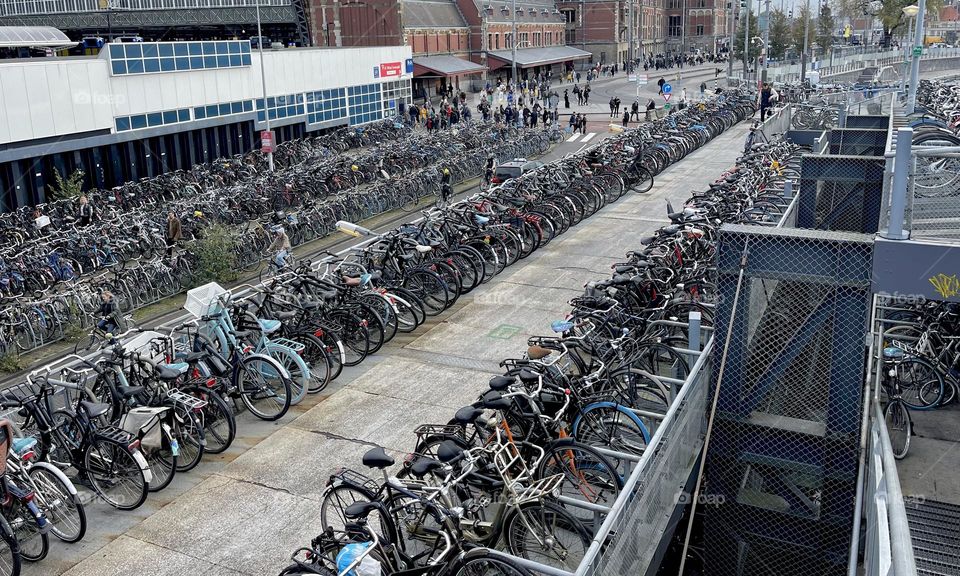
column 852, row 63
column 632, row 531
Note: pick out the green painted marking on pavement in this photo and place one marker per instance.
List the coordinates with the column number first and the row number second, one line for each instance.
column 504, row 332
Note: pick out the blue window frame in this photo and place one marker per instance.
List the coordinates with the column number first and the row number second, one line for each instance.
column 167, row 65
column 245, row 59
column 235, row 61
column 183, row 115
column 154, row 119
column 133, row 50
column 151, row 65
column 116, row 51
column 183, row 63
column 119, row 67
column 138, row 121
column 209, row 48
column 170, row 117
column 236, row 107
column 166, row 49
column 247, row 106
column 199, row 113
column 223, row 61
column 150, row 50
column 210, row 62
column 213, row 110
column 181, row 49
column 245, row 47
column 123, row 124
column 135, row 66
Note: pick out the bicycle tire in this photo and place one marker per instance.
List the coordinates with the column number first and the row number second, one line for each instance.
column 267, row 393
column 547, row 524
column 899, row 427
column 59, row 503
column 109, row 450
column 219, row 423
column 588, row 475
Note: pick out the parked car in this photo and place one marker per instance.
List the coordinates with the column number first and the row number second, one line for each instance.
column 514, row 168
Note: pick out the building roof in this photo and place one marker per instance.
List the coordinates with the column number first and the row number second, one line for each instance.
column 33, row 37
column 431, row 14
column 527, row 57
column 527, row 11
column 446, row 65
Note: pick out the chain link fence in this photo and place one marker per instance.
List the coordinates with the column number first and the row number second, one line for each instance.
column 933, row 206
column 782, row 464
column 842, row 193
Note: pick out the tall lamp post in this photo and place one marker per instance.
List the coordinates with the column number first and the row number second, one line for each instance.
column 918, row 35
column 513, row 40
column 263, row 84
column 910, row 12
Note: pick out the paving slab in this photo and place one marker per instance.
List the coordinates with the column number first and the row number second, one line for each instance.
column 125, row 556
column 423, row 382
column 929, row 471
column 238, row 525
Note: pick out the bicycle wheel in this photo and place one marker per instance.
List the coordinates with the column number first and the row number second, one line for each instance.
column 315, row 354
column 608, row 425
column 899, row 427
column 336, row 500
column 163, row 467
column 353, row 334
column 296, row 367
column 115, row 474
column 432, row 291
column 921, row 384
column 190, row 437
column 644, row 180
column 61, row 505
column 9, row 550
column 34, row 545
column 219, row 424
column 588, row 475
column 479, row 562
column 264, row 390
column 547, row 533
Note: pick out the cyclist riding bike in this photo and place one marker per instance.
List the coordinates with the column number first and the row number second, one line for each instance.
column 280, row 246
column 488, row 170
column 446, row 192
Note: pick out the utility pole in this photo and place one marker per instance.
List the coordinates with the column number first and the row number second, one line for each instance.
column 731, row 28
column 918, row 36
column 263, row 82
column 766, row 42
column 630, row 40
column 806, row 35
column 746, row 39
column 683, row 27
column 513, row 41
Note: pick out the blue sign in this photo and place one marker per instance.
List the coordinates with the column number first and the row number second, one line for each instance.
column 667, row 88
column 376, row 71
column 409, row 65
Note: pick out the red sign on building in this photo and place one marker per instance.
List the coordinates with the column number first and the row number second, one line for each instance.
column 266, row 141
column 391, row 69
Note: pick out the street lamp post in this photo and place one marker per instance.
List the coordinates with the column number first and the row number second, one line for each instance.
column 263, row 82
column 910, row 12
column 806, row 35
column 918, row 34
column 513, row 40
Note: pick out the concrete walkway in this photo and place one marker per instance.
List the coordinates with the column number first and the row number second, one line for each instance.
column 244, row 512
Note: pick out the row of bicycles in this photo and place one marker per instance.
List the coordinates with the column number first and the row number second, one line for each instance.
column 123, row 422
column 53, row 282
column 527, row 472
column 920, row 368
column 936, row 123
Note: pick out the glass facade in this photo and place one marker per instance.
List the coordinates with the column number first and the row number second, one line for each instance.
column 281, row 107
column 138, row 121
column 365, row 102
column 153, row 57
column 214, row 110
column 326, row 105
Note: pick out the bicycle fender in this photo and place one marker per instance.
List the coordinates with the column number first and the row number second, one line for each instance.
column 304, row 369
column 619, row 408
column 561, row 442
column 59, row 474
column 283, row 371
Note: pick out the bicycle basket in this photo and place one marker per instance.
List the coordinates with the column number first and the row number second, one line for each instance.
column 203, row 300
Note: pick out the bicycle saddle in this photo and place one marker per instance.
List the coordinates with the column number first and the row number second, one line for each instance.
column 560, row 326
column 269, row 326
column 529, row 376
column 500, row 383
column 648, row 240
column 448, row 451
column 494, row 401
column 466, row 415
column 128, row 391
column 423, row 466
column 359, row 510
column 538, row 352
column 286, row 314
column 624, row 268
column 172, row 371
column 94, row 409
column 351, row 281
column 377, row 458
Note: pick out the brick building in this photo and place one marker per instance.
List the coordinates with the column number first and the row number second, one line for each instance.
column 602, row 27
column 703, row 28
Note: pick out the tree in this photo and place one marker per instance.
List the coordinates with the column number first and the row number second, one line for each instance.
column 825, row 25
column 799, row 25
column 889, row 12
column 69, row 188
column 779, row 34
column 738, row 40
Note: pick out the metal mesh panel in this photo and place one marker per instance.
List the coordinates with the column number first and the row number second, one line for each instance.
column 934, row 206
column 841, row 193
column 782, row 463
column 656, row 485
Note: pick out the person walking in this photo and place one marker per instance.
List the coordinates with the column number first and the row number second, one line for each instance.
column 616, row 106
column 583, row 124
column 651, row 106
column 635, row 110
column 110, row 318
column 660, row 83
column 611, row 107
column 626, row 118
column 84, row 211
column 174, row 232
column 586, row 95
column 566, row 99
column 703, row 90
column 446, row 190
column 765, row 95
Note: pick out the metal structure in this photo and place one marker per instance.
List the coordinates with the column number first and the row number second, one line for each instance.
column 783, row 461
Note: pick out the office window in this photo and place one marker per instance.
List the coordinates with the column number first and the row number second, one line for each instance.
column 673, row 26
column 153, row 57
column 699, row 29
column 226, row 109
